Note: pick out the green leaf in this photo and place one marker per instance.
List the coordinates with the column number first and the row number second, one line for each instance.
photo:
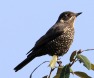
column 57, row 76
column 72, row 56
column 65, row 73
column 85, row 60
column 81, row 74
column 92, row 66
column 71, row 71
column 60, row 68
column 58, row 72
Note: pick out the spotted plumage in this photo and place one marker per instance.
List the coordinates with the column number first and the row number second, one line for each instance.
column 56, row 41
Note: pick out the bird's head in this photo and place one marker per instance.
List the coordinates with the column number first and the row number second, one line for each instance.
column 68, row 16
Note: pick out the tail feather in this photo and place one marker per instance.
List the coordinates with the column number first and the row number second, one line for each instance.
column 23, row 63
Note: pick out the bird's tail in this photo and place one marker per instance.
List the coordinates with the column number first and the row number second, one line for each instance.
column 23, row 63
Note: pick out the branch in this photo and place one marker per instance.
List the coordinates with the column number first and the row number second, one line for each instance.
column 78, row 52
column 51, row 72
column 37, row 67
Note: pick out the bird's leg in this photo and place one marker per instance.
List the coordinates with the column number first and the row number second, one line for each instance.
column 59, row 62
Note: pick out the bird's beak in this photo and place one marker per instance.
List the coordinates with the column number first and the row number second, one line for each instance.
column 77, row 14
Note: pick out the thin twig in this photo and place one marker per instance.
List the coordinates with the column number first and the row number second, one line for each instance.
column 50, row 72
column 70, row 64
column 87, row 50
column 37, row 67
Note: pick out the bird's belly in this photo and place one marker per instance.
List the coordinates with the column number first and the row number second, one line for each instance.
column 59, row 46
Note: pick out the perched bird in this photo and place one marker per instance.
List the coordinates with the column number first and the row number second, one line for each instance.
column 56, row 41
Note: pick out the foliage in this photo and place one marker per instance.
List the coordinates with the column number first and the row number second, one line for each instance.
column 64, row 71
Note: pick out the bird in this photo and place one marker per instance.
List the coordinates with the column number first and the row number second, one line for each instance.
column 56, row 41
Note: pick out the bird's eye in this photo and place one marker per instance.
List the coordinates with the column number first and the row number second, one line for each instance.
column 68, row 15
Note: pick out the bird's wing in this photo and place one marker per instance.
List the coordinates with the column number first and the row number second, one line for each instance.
column 51, row 34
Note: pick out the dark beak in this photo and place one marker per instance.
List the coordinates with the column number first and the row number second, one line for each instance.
column 77, row 14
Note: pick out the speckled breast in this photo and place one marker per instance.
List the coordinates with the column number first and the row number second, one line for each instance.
column 60, row 45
